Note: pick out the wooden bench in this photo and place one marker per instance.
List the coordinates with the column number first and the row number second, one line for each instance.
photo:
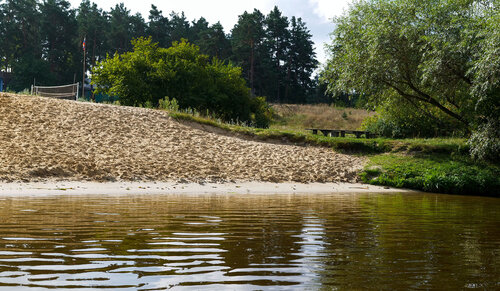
column 341, row 132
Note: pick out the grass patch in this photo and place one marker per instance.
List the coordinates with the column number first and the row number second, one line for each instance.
column 299, row 117
column 439, row 173
column 341, row 144
column 346, row 145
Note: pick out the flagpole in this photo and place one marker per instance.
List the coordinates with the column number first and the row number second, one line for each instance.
column 83, row 81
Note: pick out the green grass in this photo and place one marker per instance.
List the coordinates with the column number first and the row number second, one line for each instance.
column 347, row 144
column 437, row 172
column 342, row 144
column 298, row 117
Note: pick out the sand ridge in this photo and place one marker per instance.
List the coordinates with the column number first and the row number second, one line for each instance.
column 42, row 138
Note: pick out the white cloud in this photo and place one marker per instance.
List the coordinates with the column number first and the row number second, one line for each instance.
column 327, row 9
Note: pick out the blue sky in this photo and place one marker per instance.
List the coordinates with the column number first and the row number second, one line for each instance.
column 316, row 13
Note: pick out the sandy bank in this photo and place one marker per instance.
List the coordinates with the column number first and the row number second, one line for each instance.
column 124, row 188
column 49, row 139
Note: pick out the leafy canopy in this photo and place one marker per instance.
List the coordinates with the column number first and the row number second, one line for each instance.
column 439, row 58
column 421, row 50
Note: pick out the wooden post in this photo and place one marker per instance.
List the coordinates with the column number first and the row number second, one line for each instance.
column 83, row 77
column 77, row 85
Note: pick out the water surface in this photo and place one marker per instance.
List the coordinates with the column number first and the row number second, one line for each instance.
column 349, row 241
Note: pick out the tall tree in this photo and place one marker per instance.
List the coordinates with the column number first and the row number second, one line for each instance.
column 6, row 49
column 22, row 48
column 218, row 43
column 278, row 43
column 120, row 29
column 92, row 25
column 419, row 51
column 159, row 27
column 300, row 64
column 180, row 27
column 247, row 42
column 211, row 39
column 60, row 44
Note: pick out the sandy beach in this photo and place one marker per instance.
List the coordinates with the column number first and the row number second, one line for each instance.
column 48, row 139
column 17, row 189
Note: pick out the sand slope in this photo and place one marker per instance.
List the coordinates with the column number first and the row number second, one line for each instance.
column 43, row 138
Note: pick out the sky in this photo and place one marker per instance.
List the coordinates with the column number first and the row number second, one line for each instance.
column 317, row 14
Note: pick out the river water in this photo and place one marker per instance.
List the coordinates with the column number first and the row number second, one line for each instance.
column 248, row 242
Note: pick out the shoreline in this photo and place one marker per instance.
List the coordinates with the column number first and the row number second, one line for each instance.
column 51, row 188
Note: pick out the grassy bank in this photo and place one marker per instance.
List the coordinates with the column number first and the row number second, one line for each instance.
column 440, row 165
column 439, row 173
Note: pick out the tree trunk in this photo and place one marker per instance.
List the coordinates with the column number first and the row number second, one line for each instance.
column 252, row 59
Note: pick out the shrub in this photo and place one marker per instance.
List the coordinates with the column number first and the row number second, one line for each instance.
column 400, row 119
column 168, row 104
column 262, row 112
column 485, row 141
column 144, row 76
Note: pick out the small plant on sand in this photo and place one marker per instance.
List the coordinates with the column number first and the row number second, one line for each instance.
column 167, row 104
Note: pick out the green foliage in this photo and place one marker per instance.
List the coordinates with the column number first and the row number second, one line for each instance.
column 434, row 173
column 418, row 51
column 146, row 74
column 167, row 104
column 431, row 65
column 397, row 119
column 485, row 141
column 276, row 54
column 263, row 113
column 42, row 40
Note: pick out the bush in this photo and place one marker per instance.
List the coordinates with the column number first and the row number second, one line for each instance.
column 144, row 76
column 485, row 141
column 167, row 104
column 262, row 112
column 434, row 173
column 399, row 119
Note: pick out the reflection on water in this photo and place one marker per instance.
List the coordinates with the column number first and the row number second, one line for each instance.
column 353, row 241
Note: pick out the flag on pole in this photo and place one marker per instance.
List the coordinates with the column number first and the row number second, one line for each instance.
column 84, row 42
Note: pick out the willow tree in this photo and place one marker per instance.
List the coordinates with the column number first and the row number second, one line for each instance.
column 422, row 52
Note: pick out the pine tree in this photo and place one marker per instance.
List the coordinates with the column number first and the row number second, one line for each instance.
column 180, row 27
column 301, row 63
column 58, row 24
column 247, row 42
column 92, row 25
column 277, row 43
column 159, row 27
column 22, row 45
column 211, row 39
column 218, row 45
column 123, row 27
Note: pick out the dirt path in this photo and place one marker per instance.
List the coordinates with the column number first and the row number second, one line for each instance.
column 43, row 138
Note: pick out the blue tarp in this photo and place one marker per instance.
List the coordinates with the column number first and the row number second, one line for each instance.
column 1, row 85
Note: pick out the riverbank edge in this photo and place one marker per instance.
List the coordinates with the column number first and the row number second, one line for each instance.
column 50, row 188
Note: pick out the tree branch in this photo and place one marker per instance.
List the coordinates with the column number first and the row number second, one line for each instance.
column 426, row 98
